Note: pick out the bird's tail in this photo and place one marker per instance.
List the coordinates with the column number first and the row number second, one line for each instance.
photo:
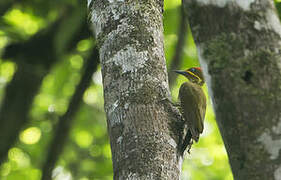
column 185, row 142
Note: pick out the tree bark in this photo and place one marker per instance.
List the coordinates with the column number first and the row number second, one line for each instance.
column 238, row 46
column 143, row 126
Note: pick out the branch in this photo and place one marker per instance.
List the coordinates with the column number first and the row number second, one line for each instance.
column 65, row 121
column 177, row 59
column 5, row 5
column 34, row 59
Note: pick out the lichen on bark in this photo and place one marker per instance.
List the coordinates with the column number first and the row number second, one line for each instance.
column 141, row 124
column 240, row 49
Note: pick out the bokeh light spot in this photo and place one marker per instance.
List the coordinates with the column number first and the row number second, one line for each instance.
column 83, row 139
column 31, row 135
column 84, row 45
column 90, row 96
column 3, row 41
column 97, row 77
column 18, row 156
column 76, row 61
column 51, row 108
column 24, row 21
column 93, row 95
column 5, row 169
column 59, row 173
column 43, row 101
column 7, row 70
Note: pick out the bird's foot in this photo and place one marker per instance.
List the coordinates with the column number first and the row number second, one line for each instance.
column 176, row 104
column 189, row 146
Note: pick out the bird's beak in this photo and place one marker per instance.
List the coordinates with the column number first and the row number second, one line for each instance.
column 180, row 72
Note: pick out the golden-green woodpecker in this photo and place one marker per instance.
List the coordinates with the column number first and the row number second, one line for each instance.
column 192, row 104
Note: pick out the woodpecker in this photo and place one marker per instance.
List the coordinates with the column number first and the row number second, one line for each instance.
column 192, row 104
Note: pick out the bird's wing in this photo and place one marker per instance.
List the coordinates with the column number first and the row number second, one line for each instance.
column 193, row 107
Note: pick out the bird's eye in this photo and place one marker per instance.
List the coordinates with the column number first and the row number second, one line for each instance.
column 192, row 69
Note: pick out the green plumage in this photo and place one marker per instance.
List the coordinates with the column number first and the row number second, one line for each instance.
column 193, row 107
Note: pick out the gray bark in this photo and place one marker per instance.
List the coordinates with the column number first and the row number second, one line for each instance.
column 239, row 48
column 143, row 127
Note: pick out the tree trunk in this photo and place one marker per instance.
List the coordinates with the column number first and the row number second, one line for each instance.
column 238, row 46
column 34, row 58
column 142, row 124
column 66, row 120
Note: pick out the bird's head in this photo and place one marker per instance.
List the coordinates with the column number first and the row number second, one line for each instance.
column 193, row 74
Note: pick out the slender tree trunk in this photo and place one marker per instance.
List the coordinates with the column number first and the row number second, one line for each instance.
column 239, row 47
column 179, row 49
column 66, row 120
column 141, row 123
column 16, row 105
column 34, row 59
column 32, row 66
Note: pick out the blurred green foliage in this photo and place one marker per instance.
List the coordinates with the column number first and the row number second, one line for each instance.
column 87, row 152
